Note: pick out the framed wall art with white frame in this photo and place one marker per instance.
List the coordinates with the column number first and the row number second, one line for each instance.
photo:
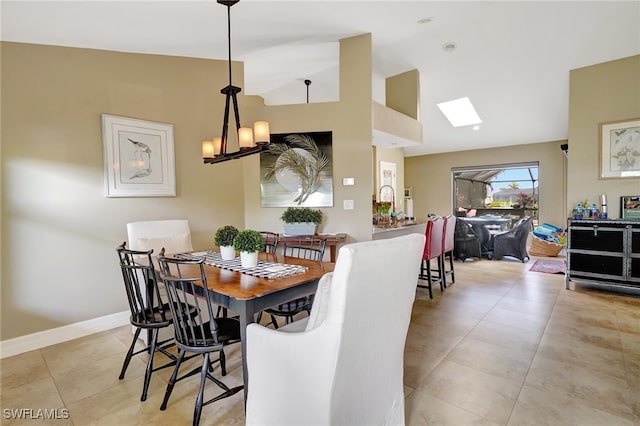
column 620, row 149
column 138, row 158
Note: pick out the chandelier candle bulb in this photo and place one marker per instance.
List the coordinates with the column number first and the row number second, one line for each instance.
column 208, row 150
column 245, row 137
column 217, row 143
column 261, row 132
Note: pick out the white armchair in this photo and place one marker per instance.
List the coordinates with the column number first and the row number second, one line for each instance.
column 346, row 366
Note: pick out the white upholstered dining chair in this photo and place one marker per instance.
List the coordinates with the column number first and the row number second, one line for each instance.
column 343, row 365
column 172, row 234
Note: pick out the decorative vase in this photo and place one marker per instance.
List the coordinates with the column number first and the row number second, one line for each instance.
column 227, row 252
column 249, row 260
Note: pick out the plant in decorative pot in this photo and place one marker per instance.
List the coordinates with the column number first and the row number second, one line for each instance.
column 248, row 242
column 224, row 239
column 301, row 220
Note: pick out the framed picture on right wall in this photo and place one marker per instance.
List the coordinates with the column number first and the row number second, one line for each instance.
column 620, row 149
column 630, row 206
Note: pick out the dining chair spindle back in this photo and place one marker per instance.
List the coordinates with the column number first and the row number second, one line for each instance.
column 198, row 331
column 148, row 310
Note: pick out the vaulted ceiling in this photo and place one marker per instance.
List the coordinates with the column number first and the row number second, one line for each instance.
column 512, row 59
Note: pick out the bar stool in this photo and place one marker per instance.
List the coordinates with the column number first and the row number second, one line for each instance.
column 448, row 242
column 433, row 250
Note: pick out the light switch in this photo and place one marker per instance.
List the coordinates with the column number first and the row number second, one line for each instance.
column 348, row 181
column 347, row 204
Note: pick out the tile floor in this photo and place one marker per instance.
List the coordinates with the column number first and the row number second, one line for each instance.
column 503, row 346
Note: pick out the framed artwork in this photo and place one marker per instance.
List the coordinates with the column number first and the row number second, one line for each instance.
column 297, row 170
column 138, row 158
column 620, row 149
column 630, row 207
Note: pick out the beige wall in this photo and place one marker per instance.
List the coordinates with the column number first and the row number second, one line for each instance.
column 430, row 176
column 59, row 232
column 600, row 93
column 350, row 121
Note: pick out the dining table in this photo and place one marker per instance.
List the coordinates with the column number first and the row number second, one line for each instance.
column 493, row 222
column 245, row 294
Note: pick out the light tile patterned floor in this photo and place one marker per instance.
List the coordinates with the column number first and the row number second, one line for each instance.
column 502, row 346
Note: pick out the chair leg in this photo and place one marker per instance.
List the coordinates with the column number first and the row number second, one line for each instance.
column 149, row 370
column 223, row 363
column 127, row 358
column 222, row 311
column 199, row 399
column 453, row 275
column 172, row 380
column 274, row 321
column 440, row 277
column 427, row 266
column 430, row 277
column 442, row 272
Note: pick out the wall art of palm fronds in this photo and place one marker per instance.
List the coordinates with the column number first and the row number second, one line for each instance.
column 297, row 171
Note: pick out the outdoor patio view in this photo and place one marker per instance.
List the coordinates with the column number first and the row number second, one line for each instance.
column 507, row 190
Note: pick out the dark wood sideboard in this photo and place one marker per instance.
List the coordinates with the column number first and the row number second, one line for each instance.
column 604, row 252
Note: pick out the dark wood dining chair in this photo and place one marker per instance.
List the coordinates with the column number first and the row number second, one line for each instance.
column 197, row 332
column 271, row 241
column 148, row 311
column 303, row 247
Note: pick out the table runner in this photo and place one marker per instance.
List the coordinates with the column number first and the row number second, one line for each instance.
column 269, row 270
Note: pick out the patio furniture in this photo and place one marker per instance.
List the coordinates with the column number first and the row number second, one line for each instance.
column 513, row 242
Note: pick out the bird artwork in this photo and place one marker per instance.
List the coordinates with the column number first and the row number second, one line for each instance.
column 142, row 159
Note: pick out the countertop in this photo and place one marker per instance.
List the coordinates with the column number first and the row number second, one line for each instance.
column 399, row 229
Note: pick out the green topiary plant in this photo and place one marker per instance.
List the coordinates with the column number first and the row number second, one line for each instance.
column 301, row 214
column 225, row 235
column 248, row 240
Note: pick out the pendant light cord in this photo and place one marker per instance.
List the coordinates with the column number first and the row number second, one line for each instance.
column 229, row 39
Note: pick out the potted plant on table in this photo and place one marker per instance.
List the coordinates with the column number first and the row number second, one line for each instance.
column 248, row 242
column 224, row 239
column 301, row 220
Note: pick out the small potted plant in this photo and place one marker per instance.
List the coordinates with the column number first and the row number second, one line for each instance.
column 301, row 220
column 248, row 242
column 224, row 239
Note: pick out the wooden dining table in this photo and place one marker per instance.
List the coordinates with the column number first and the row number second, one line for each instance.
column 246, row 295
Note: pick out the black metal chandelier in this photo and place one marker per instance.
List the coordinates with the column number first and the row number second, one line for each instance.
column 215, row 151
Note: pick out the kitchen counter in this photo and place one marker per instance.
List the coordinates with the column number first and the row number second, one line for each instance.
column 399, row 229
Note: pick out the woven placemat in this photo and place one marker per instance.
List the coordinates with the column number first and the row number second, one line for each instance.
column 269, row 270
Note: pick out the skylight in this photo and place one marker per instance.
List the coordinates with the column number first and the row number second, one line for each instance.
column 460, row 112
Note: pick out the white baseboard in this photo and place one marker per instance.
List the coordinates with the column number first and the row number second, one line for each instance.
column 45, row 338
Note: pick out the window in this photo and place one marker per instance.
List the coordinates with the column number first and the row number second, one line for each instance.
column 504, row 189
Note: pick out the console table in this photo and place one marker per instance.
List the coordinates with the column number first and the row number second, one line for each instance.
column 605, row 252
